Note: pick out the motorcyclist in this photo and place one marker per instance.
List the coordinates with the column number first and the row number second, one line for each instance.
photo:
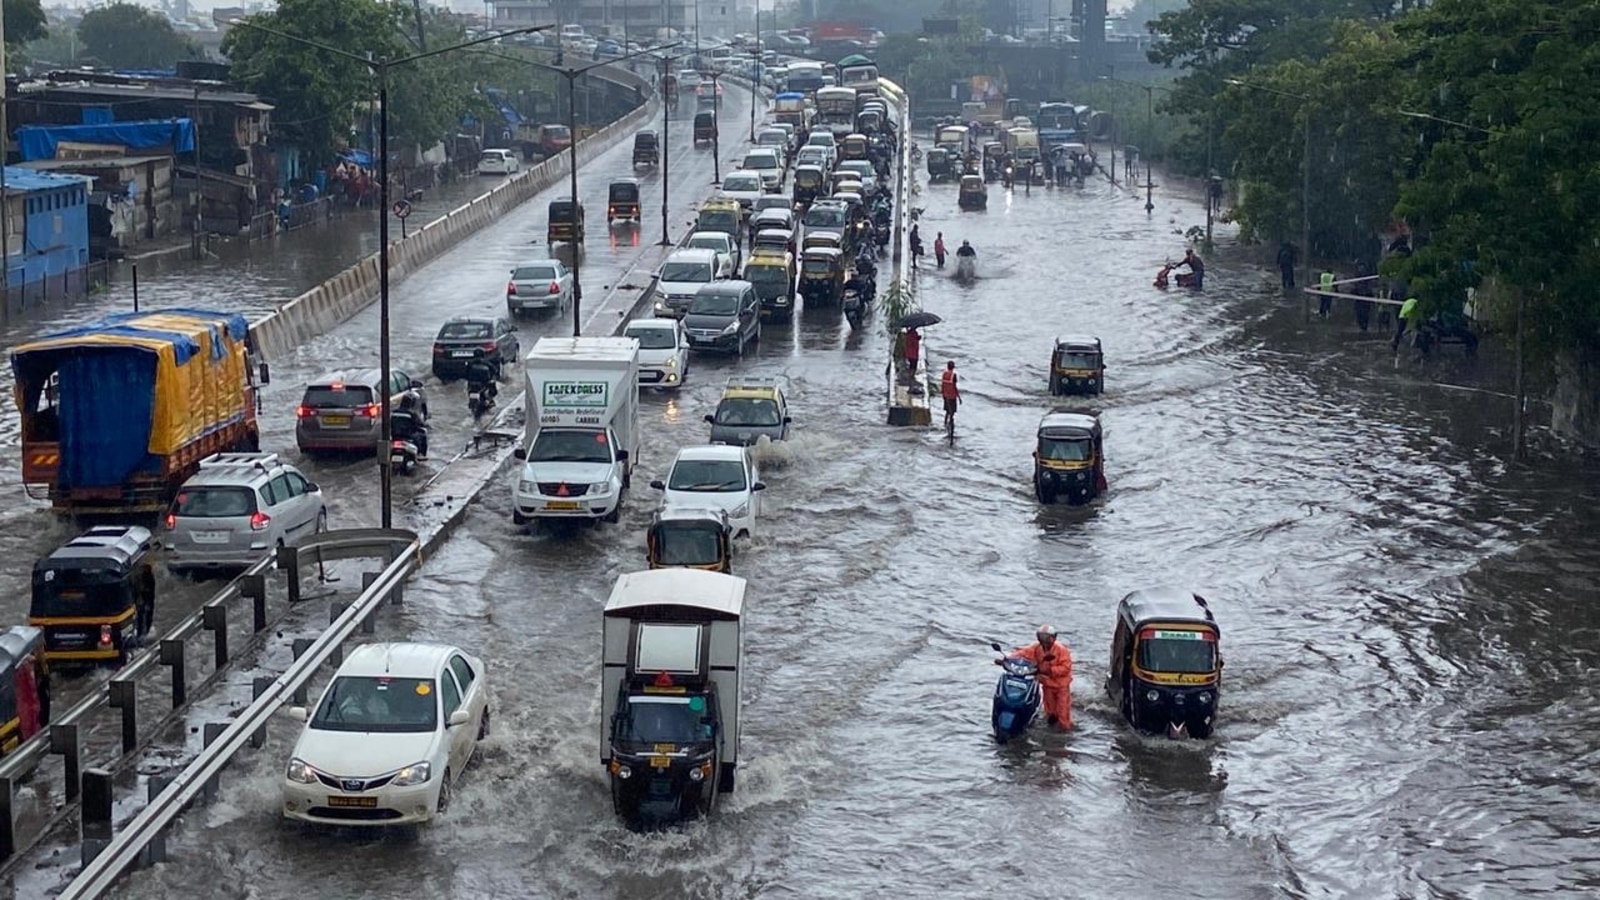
column 867, row 271
column 966, row 249
column 1196, row 266
column 409, row 426
column 1055, row 674
column 480, row 377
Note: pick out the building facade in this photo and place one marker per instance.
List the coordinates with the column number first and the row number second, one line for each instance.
column 45, row 235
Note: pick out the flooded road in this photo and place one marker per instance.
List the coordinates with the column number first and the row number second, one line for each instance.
column 1407, row 620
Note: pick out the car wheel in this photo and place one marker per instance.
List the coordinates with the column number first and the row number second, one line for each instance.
column 483, row 725
column 322, row 520
column 518, row 518
column 445, row 792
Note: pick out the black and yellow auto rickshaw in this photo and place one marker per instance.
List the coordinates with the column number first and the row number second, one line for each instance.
column 705, row 128
column 95, row 596
column 24, row 686
column 855, row 146
column 646, row 149
column 869, row 121
column 688, row 538
column 622, row 201
column 1069, row 459
column 1166, row 663
column 1077, row 366
column 809, row 184
column 974, row 194
column 566, row 222
column 939, row 166
column 994, row 154
column 822, row 275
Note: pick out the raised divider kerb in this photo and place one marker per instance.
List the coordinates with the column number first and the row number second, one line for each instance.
column 334, row 301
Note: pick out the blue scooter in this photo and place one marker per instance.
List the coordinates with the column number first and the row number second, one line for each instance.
column 1016, row 696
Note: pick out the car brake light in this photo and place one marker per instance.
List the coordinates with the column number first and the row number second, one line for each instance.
column 555, row 287
column 438, row 350
column 259, row 521
column 172, row 520
column 371, row 410
column 304, row 412
column 511, row 289
column 105, row 635
column 489, row 346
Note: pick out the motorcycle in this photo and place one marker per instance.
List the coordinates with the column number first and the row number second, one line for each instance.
column 916, row 153
column 403, row 450
column 855, row 307
column 481, row 389
column 1016, row 696
column 966, row 267
column 1185, row 279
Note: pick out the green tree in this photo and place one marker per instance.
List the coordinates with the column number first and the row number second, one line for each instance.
column 25, row 22
column 125, row 36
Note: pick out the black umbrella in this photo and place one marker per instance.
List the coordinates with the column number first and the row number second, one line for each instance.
column 918, row 319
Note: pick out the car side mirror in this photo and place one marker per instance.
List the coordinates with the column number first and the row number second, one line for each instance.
column 788, row 419
column 519, row 454
column 298, row 713
column 265, row 373
column 711, row 420
column 459, row 717
column 658, row 484
column 622, row 456
column 760, row 486
column 416, row 385
column 312, row 487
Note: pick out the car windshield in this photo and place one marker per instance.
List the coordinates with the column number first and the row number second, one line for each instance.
column 773, row 138
column 570, row 446
column 742, row 183
column 465, row 331
column 214, row 502
column 378, row 703
column 534, row 273
column 825, row 217
column 1066, row 449
column 1071, row 360
column 1182, row 652
column 718, row 220
column 717, row 242
column 685, row 271
column 688, row 545
column 338, row 397
column 707, row 475
column 654, row 338
column 664, row 720
column 714, row 305
column 753, row 412
column 760, row 161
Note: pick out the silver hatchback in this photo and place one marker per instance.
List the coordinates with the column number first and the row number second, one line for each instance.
column 238, row 508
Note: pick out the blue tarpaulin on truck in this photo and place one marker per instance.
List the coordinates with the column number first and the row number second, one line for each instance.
column 39, row 141
column 103, row 442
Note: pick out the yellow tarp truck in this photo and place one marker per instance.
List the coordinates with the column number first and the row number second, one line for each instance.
column 116, row 415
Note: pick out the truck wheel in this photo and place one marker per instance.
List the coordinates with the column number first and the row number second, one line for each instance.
column 518, row 518
column 725, row 780
column 1055, row 384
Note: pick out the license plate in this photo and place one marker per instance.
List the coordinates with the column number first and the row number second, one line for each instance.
column 660, row 762
column 354, row 802
column 460, row 354
column 562, row 504
column 210, row 537
column 336, row 421
column 650, row 376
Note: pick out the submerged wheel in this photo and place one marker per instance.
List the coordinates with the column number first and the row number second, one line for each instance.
column 1055, row 384
column 483, row 726
column 445, row 792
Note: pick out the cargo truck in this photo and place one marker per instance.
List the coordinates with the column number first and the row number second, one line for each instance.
column 836, row 110
column 670, row 703
column 582, row 433
column 117, row 414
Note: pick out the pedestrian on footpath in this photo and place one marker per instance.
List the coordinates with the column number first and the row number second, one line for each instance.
column 1286, row 261
column 938, row 249
column 1409, row 311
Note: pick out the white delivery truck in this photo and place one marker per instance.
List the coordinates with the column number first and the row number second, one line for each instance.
column 669, row 720
column 582, row 433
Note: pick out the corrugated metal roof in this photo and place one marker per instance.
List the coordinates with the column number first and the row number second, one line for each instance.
column 98, row 162
column 137, row 91
column 24, row 180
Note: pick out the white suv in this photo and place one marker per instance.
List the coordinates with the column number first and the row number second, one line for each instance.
column 238, row 508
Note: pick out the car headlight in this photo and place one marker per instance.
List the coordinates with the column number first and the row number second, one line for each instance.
column 301, row 772
column 416, row 773
column 672, row 362
column 1205, row 697
column 527, row 487
column 742, row 511
column 732, row 328
column 1153, row 696
column 624, row 772
column 601, row 487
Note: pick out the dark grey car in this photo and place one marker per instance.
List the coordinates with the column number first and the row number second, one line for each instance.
column 342, row 411
column 724, row 316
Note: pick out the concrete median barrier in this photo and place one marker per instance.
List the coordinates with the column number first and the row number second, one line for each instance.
column 336, row 300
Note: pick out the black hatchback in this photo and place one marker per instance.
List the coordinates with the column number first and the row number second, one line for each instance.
column 463, row 340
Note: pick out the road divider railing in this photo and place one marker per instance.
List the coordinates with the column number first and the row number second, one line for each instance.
column 107, row 856
column 330, row 304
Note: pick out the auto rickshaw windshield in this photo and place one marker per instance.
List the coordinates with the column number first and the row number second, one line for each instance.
column 749, row 411
column 71, row 594
column 624, row 193
column 663, row 720
column 769, row 281
column 717, row 220
column 818, row 267
column 1177, row 652
column 1066, row 449
column 688, row 545
column 1075, row 359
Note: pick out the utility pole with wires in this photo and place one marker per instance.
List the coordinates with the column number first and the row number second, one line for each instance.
column 199, row 183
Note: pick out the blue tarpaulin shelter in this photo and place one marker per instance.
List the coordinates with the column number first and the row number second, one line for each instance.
column 39, row 141
column 362, row 158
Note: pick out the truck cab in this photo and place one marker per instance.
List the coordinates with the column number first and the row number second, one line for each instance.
column 670, row 700
column 582, row 432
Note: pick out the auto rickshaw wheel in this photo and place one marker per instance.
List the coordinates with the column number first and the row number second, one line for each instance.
column 1055, row 384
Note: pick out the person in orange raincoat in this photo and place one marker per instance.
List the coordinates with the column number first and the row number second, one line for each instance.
column 1055, row 675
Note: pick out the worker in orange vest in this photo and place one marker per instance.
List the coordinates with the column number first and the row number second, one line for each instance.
column 950, row 392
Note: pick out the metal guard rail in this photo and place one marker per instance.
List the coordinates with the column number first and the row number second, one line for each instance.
column 98, row 876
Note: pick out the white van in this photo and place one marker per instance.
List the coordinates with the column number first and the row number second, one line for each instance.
column 498, row 162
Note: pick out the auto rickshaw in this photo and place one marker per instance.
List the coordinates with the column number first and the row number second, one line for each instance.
column 566, row 222
column 1166, row 663
column 854, row 146
column 1077, row 366
column 869, row 121
column 1069, row 459
column 974, row 195
column 690, row 538
column 705, row 128
column 622, row 200
column 831, row 240
column 24, row 686
column 822, row 275
column 647, row 148
column 772, row 272
column 95, row 596
column 994, row 154
column 809, row 183
column 939, row 165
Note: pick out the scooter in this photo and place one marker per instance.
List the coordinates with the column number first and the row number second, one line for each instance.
column 480, row 397
column 855, row 307
column 966, row 267
column 402, row 449
column 1016, row 696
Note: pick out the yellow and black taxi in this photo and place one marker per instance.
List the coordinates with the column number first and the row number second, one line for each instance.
column 647, row 146
column 1069, row 458
column 751, row 408
column 566, row 221
column 822, row 275
column 1166, row 663
column 24, row 686
column 95, row 596
column 974, row 194
column 690, row 538
column 622, row 200
column 1077, row 366
column 772, row 271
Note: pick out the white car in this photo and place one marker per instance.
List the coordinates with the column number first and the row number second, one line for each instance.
column 743, row 186
column 814, row 155
column 774, row 139
column 716, row 476
column 688, row 79
column 539, row 284
column 498, row 162
column 681, row 277
column 663, row 351
column 392, row 732
column 722, row 244
column 769, row 164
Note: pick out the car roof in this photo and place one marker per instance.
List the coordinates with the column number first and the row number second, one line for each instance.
column 752, row 388
column 657, row 323
column 480, row 320
column 235, row 469
column 711, row 452
column 725, row 286
column 694, row 254
column 719, row 235
column 1167, row 604
column 543, row 261
column 365, row 377
column 405, row 660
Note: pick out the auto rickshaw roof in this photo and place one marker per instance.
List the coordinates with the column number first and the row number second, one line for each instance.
column 720, row 203
column 1165, row 604
column 646, row 135
column 787, row 235
column 939, row 150
column 698, row 515
column 855, row 136
column 970, row 179
column 564, row 205
column 627, row 186
column 700, row 117
column 1067, row 424
column 1078, row 342
column 808, row 168
column 823, row 253
column 118, row 548
column 752, row 388
column 16, row 643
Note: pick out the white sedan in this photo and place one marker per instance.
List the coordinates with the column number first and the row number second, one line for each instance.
column 716, row 476
column 743, row 186
column 722, row 244
column 395, row 728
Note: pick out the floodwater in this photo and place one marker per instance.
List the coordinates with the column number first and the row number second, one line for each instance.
column 1408, row 620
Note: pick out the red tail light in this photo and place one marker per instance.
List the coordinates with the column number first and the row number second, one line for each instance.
column 172, row 521
column 304, row 412
column 260, row 521
column 489, row 347
column 555, row 287
column 511, row 289
column 438, row 350
column 105, row 635
column 371, row 410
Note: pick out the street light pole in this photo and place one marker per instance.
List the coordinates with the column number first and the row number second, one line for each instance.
column 1305, row 204
column 577, row 220
column 755, row 73
column 666, row 161
column 716, row 124
column 1150, row 137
